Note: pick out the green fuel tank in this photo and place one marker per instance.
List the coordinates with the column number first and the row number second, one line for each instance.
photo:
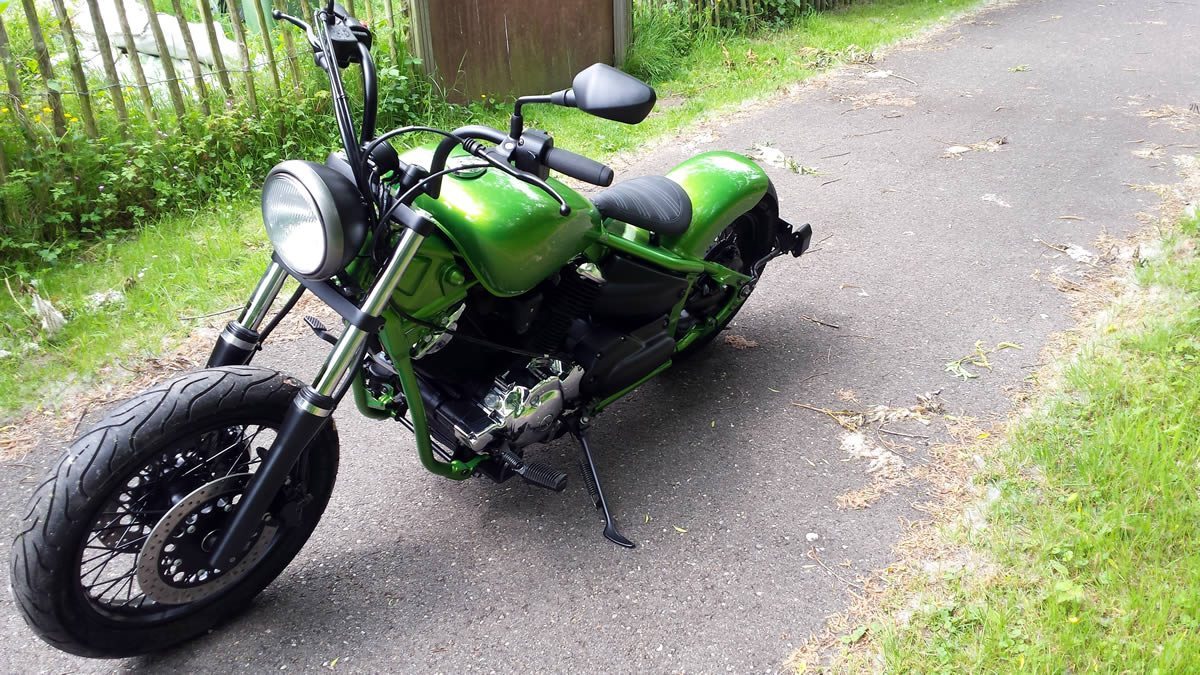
column 510, row 234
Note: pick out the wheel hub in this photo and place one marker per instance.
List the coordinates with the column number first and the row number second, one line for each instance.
column 173, row 566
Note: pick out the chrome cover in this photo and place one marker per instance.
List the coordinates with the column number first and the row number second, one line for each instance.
column 524, row 415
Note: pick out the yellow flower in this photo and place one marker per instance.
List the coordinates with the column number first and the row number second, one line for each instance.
column 47, row 110
column 3, row 111
column 24, row 106
column 1073, row 619
column 37, row 118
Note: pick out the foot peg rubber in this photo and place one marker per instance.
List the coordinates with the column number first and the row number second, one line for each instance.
column 535, row 473
column 318, row 329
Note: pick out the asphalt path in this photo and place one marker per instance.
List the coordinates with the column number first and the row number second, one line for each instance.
column 929, row 241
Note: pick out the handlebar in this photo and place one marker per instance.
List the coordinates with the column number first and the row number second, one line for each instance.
column 338, row 40
column 579, row 167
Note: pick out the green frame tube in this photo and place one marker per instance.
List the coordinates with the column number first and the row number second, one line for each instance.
column 666, row 259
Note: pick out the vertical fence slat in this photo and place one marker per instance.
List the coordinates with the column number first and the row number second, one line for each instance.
column 193, row 58
column 289, row 50
column 13, row 81
column 239, row 34
column 42, row 56
column 622, row 30
column 168, row 63
column 81, row 85
column 215, row 45
column 307, row 11
column 131, row 53
column 389, row 6
column 110, row 67
column 9, row 211
column 370, row 11
column 265, row 31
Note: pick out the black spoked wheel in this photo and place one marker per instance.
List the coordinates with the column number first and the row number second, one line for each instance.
column 739, row 246
column 112, row 559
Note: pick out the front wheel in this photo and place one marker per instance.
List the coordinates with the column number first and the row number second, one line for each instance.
column 112, row 558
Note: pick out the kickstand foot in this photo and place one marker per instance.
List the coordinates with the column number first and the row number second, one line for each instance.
column 592, row 480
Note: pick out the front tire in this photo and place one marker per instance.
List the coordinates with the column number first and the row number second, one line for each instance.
column 101, row 504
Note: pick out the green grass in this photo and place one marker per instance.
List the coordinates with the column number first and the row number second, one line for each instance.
column 1094, row 539
column 194, row 265
column 170, row 270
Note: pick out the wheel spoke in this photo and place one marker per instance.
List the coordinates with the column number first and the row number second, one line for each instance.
column 115, row 550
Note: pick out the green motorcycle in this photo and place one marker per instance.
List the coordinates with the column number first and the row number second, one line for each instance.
column 486, row 307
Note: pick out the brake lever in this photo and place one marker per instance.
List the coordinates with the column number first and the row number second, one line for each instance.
column 497, row 160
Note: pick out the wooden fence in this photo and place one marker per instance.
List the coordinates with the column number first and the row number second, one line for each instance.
column 64, row 89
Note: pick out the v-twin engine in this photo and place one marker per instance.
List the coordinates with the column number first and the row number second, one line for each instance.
column 523, row 406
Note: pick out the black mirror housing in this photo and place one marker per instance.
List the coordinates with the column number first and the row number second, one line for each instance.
column 606, row 92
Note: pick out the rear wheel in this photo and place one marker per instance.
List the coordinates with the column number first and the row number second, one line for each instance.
column 112, row 558
column 744, row 242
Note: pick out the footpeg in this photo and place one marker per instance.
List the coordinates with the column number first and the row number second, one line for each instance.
column 319, row 329
column 535, row 473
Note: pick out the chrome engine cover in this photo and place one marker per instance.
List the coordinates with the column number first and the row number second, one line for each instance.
column 523, row 414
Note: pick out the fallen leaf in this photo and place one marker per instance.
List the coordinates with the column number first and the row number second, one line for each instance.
column 1022, row 68
column 739, row 342
column 679, row 529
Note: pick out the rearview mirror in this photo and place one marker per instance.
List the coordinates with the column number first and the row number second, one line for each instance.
column 606, row 92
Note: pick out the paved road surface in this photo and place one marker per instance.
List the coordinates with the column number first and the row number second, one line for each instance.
column 924, row 256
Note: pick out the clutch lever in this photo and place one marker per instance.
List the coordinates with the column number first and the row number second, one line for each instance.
column 498, row 160
column 298, row 23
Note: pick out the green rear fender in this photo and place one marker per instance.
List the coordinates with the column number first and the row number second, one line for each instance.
column 722, row 185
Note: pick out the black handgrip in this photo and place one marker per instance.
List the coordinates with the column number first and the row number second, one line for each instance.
column 579, row 167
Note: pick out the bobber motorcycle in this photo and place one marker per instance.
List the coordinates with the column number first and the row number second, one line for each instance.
column 485, row 306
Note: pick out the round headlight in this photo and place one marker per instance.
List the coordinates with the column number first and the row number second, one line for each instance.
column 313, row 217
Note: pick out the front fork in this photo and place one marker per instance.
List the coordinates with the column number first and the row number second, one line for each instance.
column 314, row 404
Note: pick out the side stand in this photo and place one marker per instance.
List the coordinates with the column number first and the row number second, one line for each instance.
column 592, row 479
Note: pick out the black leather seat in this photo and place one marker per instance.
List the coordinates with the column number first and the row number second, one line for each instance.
column 655, row 203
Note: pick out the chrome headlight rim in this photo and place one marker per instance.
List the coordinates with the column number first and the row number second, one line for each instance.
column 336, row 210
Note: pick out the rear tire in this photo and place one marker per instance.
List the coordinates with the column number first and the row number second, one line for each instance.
column 137, row 458
column 745, row 241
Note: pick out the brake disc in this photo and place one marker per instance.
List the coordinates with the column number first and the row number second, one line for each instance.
column 173, row 567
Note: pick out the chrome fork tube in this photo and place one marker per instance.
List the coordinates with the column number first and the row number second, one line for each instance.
column 264, row 294
column 311, row 410
column 347, row 353
column 240, row 339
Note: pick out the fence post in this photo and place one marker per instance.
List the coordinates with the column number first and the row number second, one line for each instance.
column 132, row 54
column 193, row 58
column 168, row 63
column 110, row 68
column 420, row 36
column 14, row 84
column 239, row 34
column 622, row 30
column 53, row 97
column 215, row 46
column 81, row 85
column 265, row 30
